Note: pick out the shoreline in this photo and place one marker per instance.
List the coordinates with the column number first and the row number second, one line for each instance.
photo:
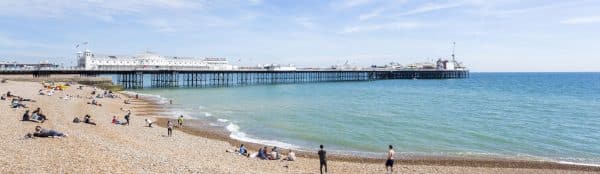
column 154, row 108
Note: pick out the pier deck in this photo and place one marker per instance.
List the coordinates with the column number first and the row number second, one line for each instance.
column 163, row 78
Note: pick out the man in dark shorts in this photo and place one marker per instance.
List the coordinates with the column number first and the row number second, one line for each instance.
column 127, row 116
column 389, row 163
column 322, row 159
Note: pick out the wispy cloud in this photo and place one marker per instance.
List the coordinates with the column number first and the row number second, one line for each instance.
column 581, row 20
column 430, row 7
column 161, row 25
column 383, row 26
column 105, row 9
column 305, row 22
column 343, row 4
column 255, row 2
column 372, row 14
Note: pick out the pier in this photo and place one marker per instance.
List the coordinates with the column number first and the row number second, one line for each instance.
column 164, row 78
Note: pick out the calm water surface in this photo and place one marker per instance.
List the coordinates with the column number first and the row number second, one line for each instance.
column 547, row 116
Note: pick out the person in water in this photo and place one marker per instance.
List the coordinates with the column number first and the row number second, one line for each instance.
column 322, row 159
column 389, row 163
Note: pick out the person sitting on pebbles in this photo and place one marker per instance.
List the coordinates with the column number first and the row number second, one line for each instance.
column 94, row 102
column 39, row 132
column 88, row 119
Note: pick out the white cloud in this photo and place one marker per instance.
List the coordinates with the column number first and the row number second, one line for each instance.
column 384, row 26
column 582, row 20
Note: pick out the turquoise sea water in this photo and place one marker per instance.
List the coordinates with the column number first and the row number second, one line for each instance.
column 546, row 116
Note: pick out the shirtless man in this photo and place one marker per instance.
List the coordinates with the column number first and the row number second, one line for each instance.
column 389, row 163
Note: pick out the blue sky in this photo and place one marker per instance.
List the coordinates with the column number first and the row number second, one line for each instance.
column 491, row 35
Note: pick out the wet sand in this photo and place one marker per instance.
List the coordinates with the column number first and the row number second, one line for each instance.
column 108, row 148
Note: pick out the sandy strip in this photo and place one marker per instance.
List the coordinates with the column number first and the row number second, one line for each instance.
column 107, row 148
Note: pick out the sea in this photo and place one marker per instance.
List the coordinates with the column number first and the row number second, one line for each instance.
column 531, row 116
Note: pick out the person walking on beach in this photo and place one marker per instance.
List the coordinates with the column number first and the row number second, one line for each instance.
column 322, row 159
column 180, row 121
column 127, row 117
column 389, row 163
column 169, row 128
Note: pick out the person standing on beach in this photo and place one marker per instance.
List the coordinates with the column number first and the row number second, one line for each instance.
column 169, row 128
column 322, row 159
column 389, row 163
column 180, row 121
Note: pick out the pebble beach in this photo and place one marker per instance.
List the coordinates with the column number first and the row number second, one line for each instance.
column 137, row 148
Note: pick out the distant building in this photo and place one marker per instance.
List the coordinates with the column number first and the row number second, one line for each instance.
column 15, row 65
column 276, row 67
column 149, row 60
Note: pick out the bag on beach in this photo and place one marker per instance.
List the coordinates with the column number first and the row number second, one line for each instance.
column 76, row 120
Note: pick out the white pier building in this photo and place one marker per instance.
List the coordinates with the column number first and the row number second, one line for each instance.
column 149, row 60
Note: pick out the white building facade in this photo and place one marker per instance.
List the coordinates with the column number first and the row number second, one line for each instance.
column 148, row 60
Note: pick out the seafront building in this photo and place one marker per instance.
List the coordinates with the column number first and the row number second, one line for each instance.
column 149, row 60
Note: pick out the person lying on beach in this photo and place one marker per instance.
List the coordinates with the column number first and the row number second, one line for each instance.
column 17, row 104
column 291, row 156
column 241, row 151
column 41, row 92
column 115, row 120
column 51, row 92
column 26, row 99
column 149, row 122
column 39, row 132
column 127, row 101
column 88, row 119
